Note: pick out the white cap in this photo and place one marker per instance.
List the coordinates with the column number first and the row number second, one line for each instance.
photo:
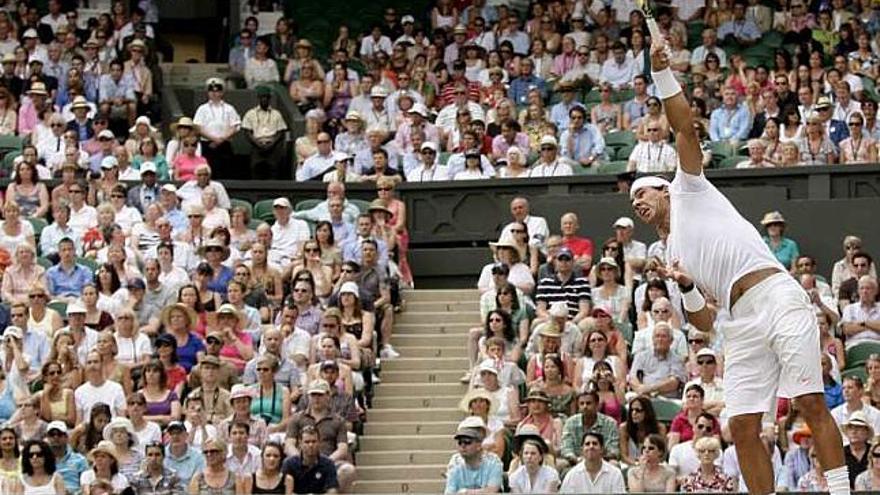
column 378, row 92
column 349, row 288
column 106, row 133
column 13, row 331
column 549, row 140
column 407, row 18
column 420, row 109
column 429, row 145
column 148, row 167
column 488, row 365
column 57, row 425
column 559, row 309
column 30, row 33
column 625, row 222
column 647, row 181
column 170, row 188
column 339, row 156
column 282, row 202
column 706, row 351
column 109, row 162
column 76, row 308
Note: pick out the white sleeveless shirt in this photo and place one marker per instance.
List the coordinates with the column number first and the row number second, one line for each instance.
column 710, row 239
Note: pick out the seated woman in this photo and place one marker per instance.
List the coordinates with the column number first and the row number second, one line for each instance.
column 538, row 407
column 652, row 474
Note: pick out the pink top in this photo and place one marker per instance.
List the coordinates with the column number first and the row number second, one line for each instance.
column 230, row 352
column 612, row 408
column 186, row 166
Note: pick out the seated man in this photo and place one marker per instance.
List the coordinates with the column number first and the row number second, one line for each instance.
column 480, row 472
column 66, row 279
column 661, row 311
column 594, row 474
column 332, row 434
column 312, row 471
column 659, row 371
column 861, row 320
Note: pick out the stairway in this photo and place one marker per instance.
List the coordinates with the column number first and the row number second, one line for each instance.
column 408, row 435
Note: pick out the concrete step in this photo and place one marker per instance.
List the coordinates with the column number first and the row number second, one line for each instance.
column 410, row 428
column 433, row 414
column 441, row 295
column 400, row 486
column 422, row 306
column 411, row 402
column 420, row 390
column 409, row 364
column 431, row 352
column 435, row 327
column 398, row 457
column 430, row 340
column 437, row 316
column 403, row 442
column 416, row 472
column 421, row 376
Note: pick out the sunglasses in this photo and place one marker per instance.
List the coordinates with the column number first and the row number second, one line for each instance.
column 703, row 362
column 35, row 454
column 547, row 148
column 211, row 451
column 464, row 442
column 260, row 370
column 214, row 341
column 637, row 409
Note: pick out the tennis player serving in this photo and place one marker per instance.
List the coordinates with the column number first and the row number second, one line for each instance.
column 772, row 339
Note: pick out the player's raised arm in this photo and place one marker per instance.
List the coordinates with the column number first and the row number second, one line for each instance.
column 678, row 111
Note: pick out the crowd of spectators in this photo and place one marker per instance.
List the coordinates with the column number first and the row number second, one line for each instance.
column 489, row 89
column 585, row 376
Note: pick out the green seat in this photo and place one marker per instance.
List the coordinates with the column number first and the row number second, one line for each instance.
column 620, row 138
column 592, row 96
column 622, row 153
column 860, row 372
column 444, row 157
column 254, row 223
column 8, row 159
column 244, row 204
column 722, row 149
column 612, row 168
column 38, row 224
column 729, row 162
column 306, row 204
column 11, row 143
column 362, row 205
column 263, row 210
column 622, row 95
column 665, row 410
column 858, row 354
column 44, row 262
column 582, row 170
column 89, row 263
column 60, row 307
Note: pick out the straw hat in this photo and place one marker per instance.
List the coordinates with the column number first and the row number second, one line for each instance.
column 772, row 217
column 190, row 313
column 142, row 120
column 38, row 88
column 122, row 423
column 377, row 205
column 184, row 122
column 214, row 243
column 529, row 432
column 474, row 394
column 104, row 447
column 79, row 102
column 229, row 309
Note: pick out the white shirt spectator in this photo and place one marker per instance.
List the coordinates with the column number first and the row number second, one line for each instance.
column 446, row 118
column 131, row 351
column 650, row 158
column 643, row 341
column 370, row 46
column 191, row 193
column 856, row 312
column 683, row 458
column 618, row 75
column 87, row 395
column 217, row 118
column 609, row 480
column 557, row 168
column 698, row 56
column 288, row 238
column 427, row 174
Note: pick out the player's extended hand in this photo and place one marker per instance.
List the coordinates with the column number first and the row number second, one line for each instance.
column 676, row 273
column 659, row 54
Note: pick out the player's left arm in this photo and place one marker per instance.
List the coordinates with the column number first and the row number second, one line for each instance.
column 678, row 111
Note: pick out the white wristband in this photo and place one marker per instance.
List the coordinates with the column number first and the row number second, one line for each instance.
column 693, row 300
column 665, row 82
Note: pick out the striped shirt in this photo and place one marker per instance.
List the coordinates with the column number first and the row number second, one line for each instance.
column 572, row 292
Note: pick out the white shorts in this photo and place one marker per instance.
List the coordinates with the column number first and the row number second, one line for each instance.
column 771, row 347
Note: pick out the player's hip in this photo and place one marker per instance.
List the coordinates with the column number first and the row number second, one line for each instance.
column 773, row 295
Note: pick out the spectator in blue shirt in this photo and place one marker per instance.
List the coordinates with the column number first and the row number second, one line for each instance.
column 559, row 112
column 519, row 87
column 69, row 464
column 731, row 121
column 180, row 457
column 582, row 142
column 477, row 471
column 34, row 343
column 739, row 30
column 67, row 278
